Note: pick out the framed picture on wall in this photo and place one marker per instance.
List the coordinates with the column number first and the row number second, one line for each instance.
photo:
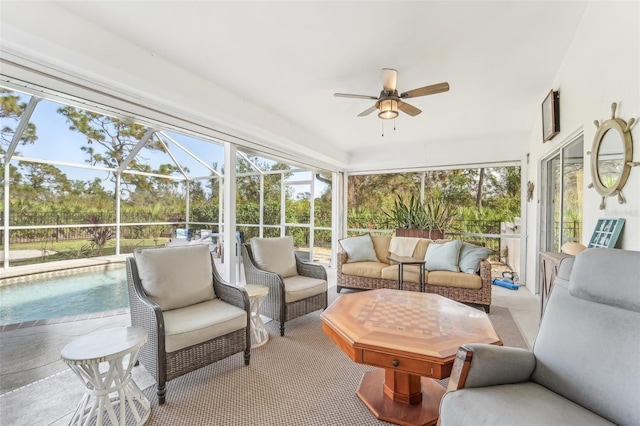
column 550, row 116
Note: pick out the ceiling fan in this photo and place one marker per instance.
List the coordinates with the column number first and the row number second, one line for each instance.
column 389, row 101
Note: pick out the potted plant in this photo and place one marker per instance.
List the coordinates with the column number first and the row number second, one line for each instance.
column 439, row 212
column 429, row 219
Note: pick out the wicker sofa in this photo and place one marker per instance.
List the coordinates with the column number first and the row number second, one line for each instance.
column 459, row 286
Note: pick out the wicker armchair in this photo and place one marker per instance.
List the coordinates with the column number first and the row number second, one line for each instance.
column 167, row 358
column 280, row 304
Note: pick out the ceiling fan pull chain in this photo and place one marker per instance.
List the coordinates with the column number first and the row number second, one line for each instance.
column 394, row 125
column 383, row 129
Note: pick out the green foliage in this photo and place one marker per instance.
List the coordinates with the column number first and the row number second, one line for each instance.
column 205, row 213
column 447, row 193
column 439, row 212
column 434, row 213
column 100, row 235
column 408, row 214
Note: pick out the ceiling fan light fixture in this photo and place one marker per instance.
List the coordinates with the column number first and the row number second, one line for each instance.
column 388, row 109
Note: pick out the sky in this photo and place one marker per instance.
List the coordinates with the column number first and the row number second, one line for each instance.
column 56, row 142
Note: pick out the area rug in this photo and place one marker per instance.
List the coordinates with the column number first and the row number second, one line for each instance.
column 302, row 378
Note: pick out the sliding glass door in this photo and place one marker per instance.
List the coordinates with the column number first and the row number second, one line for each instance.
column 563, row 178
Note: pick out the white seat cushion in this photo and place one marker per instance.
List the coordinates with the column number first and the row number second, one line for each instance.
column 299, row 287
column 275, row 255
column 175, row 277
column 198, row 323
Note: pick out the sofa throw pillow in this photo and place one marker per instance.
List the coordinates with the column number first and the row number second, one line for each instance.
column 275, row 255
column 470, row 257
column 175, row 277
column 443, row 257
column 359, row 249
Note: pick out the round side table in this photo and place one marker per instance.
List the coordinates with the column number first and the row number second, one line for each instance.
column 257, row 293
column 110, row 391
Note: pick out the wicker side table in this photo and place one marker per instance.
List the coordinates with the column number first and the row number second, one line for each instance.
column 110, row 391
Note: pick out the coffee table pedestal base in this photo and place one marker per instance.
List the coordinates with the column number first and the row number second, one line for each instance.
column 371, row 392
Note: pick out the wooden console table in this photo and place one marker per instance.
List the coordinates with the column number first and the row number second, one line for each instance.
column 549, row 262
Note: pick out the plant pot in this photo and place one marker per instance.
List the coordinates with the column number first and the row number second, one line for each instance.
column 433, row 234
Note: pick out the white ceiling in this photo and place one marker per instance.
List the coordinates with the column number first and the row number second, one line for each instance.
column 499, row 57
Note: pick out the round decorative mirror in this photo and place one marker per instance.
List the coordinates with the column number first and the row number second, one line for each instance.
column 611, row 156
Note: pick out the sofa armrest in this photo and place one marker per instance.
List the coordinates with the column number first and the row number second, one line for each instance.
column 478, row 365
column 484, row 270
column 342, row 259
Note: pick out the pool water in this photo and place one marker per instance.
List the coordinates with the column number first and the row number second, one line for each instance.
column 64, row 296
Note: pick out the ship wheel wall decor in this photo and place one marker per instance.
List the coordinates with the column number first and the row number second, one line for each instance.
column 611, row 156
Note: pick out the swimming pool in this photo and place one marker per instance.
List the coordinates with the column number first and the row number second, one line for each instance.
column 55, row 297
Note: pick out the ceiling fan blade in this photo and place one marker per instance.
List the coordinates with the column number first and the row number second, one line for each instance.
column 367, row 111
column 389, row 79
column 426, row 90
column 408, row 109
column 346, row 95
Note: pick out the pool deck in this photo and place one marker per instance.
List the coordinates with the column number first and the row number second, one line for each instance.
column 63, row 267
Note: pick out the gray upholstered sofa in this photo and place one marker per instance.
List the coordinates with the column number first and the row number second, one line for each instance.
column 584, row 368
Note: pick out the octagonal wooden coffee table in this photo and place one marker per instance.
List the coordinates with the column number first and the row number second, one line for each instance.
column 413, row 337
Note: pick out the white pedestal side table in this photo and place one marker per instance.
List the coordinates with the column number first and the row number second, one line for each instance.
column 257, row 293
column 110, row 391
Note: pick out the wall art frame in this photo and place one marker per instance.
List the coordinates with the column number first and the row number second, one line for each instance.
column 551, row 115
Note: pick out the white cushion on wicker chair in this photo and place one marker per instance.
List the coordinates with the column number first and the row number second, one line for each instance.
column 198, row 323
column 299, row 287
column 175, row 277
column 275, row 255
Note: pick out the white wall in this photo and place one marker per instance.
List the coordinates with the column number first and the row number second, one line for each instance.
column 601, row 66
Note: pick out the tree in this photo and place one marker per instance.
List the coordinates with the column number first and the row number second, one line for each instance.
column 480, row 186
column 45, row 178
column 12, row 109
column 117, row 138
column 14, row 174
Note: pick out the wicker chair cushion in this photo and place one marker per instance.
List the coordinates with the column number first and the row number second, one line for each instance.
column 470, row 257
column 364, row 269
column 410, row 273
column 443, row 257
column 275, row 255
column 359, row 249
column 299, row 287
column 454, row 279
column 175, row 277
column 201, row 322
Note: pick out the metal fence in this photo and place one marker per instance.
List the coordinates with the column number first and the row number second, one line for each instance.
column 85, row 218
